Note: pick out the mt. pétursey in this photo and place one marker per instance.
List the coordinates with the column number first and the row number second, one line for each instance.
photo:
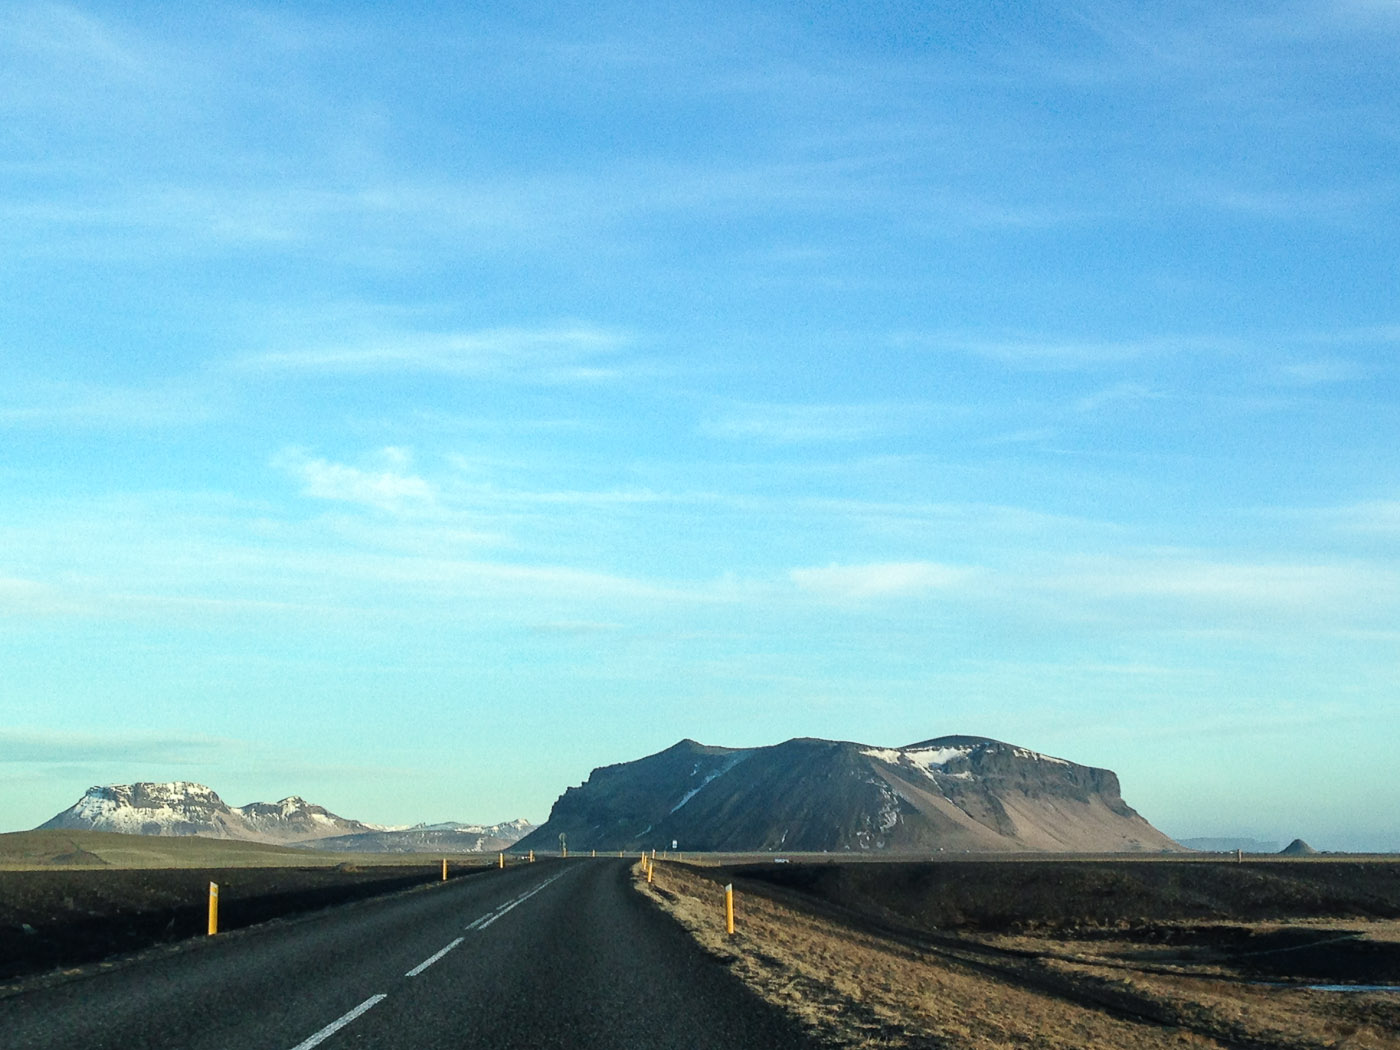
column 953, row 793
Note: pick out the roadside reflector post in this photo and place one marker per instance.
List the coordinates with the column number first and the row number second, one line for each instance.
column 729, row 909
column 501, row 861
column 651, row 871
column 213, row 908
column 594, row 854
column 444, row 869
column 532, row 856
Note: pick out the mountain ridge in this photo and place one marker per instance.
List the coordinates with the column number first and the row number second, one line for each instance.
column 183, row 807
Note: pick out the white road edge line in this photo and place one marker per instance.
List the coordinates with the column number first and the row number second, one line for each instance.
column 338, row 1024
column 433, row 958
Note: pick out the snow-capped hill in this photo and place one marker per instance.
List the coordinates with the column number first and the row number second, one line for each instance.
column 294, row 818
column 173, row 808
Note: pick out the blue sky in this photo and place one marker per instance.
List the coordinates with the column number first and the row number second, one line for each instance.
column 415, row 409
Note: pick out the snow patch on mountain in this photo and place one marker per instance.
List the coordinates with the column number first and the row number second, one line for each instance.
column 932, row 760
column 728, row 764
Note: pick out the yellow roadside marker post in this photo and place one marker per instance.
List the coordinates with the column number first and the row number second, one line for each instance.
column 532, row 856
column 651, row 871
column 444, row 869
column 501, row 861
column 729, row 909
column 213, row 908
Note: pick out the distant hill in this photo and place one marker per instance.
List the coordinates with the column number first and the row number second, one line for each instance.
column 182, row 808
column 1298, row 848
column 953, row 793
column 433, row 838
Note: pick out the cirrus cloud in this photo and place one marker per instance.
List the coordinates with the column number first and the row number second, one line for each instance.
column 879, row 579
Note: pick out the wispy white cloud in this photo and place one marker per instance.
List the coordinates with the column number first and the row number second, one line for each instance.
column 53, row 34
column 563, row 354
column 880, row 579
column 384, row 485
column 1375, row 518
column 52, row 746
column 1191, row 590
column 27, row 597
column 1322, row 370
column 87, row 405
column 1116, row 395
column 809, row 423
column 1048, row 354
column 1130, row 593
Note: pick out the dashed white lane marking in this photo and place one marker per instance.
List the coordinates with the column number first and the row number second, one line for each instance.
column 433, row 958
column 338, row 1024
column 480, row 924
column 488, row 919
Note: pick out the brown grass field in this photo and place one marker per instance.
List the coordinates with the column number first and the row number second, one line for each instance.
column 1060, row 953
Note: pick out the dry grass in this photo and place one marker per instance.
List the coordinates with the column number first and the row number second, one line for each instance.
column 855, row 988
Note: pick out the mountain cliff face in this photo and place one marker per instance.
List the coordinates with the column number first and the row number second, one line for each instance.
column 953, row 793
column 184, row 808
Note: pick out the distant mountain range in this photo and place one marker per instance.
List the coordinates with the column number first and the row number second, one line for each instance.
column 952, row 793
column 185, row 808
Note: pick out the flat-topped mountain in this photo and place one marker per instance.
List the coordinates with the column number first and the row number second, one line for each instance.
column 185, row 808
column 952, row 793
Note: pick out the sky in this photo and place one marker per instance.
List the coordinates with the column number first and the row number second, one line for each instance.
column 414, row 408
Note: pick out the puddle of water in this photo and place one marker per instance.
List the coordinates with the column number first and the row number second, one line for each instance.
column 1353, row 987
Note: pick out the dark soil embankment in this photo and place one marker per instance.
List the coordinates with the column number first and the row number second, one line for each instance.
column 57, row 919
column 1019, row 895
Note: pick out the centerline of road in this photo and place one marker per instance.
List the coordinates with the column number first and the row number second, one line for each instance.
column 374, row 1000
column 487, row 920
column 433, row 958
column 339, row 1023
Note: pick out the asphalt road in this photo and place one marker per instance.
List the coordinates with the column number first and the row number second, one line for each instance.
column 559, row 954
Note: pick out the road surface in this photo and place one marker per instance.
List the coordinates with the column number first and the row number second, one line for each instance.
column 557, row 954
